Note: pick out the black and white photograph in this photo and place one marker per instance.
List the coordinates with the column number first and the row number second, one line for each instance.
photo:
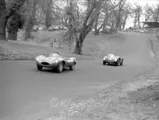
column 79, row 59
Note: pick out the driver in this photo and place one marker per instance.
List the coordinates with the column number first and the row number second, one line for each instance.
column 54, row 54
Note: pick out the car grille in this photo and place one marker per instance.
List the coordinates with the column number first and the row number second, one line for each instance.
column 110, row 60
column 45, row 63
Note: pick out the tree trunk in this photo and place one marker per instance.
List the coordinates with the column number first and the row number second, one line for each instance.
column 82, row 35
column 135, row 20
column 80, row 38
column 96, row 31
column 70, row 39
column 118, row 20
column 12, row 36
column 5, row 14
column 79, row 43
column 157, row 14
column 138, row 20
column 27, row 27
column 3, row 21
column 87, row 26
column 104, row 25
column 78, row 48
column 13, row 24
column 33, row 21
column 48, row 19
column 112, row 25
column 126, row 17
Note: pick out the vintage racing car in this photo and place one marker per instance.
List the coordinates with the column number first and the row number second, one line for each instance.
column 112, row 59
column 55, row 61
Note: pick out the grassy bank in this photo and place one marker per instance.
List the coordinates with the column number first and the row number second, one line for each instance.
column 94, row 46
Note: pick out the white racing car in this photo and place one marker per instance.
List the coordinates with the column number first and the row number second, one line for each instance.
column 111, row 59
column 55, row 61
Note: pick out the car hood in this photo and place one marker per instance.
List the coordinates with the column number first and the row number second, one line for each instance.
column 52, row 59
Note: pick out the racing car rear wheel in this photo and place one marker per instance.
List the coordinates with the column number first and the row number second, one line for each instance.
column 104, row 62
column 121, row 62
column 72, row 67
column 39, row 67
column 60, row 67
column 118, row 62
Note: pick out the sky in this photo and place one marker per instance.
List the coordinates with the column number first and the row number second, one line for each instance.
column 142, row 3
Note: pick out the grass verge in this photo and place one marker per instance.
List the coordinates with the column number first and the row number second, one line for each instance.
column 94, row 46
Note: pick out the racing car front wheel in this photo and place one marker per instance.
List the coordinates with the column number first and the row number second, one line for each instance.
column 72, row 67
column 121, row 62
column 39, row 67
column 104, row 62
column 60, row 67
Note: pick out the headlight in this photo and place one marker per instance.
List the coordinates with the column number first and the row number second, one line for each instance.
column 72, row 58
column 104, row 58
column 56, row 61
column 37, row 58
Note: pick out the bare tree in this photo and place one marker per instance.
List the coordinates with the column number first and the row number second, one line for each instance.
column 148, row 13
column 125, row 14
column 109, row 19
column 71, row 21
column 96, row 29
column 3, row 20
column 156, row 14
column 14, row 23
column 93, row 9
column 104, row 14
column 29, row 18
column 118, row 16
column 137, row 15
column 47, row 7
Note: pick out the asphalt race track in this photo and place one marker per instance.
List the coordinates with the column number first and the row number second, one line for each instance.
column 22, row 85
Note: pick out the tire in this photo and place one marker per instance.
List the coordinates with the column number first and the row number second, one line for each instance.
column 118, row 62
column 104, row 62
column 39, row 67
column 72, row 67
column 60, row 67
column 121, row 62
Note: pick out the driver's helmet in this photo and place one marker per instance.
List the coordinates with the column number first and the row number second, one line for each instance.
column 110, row 55
column 56, row 54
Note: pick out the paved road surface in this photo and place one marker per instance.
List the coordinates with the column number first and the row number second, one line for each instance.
column 21, row 85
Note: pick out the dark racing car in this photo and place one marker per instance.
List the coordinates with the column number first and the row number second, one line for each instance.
column 111, row 59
